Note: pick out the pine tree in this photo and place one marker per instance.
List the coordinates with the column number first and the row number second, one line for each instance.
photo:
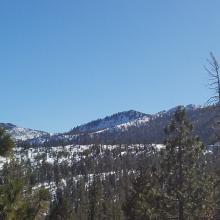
column 6, row 143
column 188, row 187
column 10, row 198
column 180, row 188
column 81, row 204
column 61, row 208
column 16, row 201
column 145, row 198
column 214, row 84
column 95, row 199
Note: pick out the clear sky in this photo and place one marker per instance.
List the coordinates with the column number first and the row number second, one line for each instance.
column 66, row 62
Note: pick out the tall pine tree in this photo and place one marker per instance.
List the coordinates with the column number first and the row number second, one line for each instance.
column 180, row 187
column 187, row 186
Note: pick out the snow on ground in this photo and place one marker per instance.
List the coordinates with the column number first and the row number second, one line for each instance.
column 71, row 153
column 22, row 134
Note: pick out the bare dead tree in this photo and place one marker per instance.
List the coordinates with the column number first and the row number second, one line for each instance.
column 214, row 84
column 214, row 80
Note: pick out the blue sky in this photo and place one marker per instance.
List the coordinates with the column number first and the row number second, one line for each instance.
column 63, row 63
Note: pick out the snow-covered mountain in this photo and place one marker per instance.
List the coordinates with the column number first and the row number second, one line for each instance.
column 119, row 121
column 108, row 122
column 123, row 127
column 22, row 134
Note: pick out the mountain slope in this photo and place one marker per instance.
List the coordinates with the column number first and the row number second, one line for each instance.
column 22, row 134
column 130, row 127
column 152, row 130
column 108, row 122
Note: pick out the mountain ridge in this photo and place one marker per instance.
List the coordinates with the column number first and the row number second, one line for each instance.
column 121, row 127
column 108, row 122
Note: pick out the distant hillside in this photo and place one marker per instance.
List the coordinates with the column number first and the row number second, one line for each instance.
column 152, row 130
column 22, row 134
column 108, row 122
column 123, row 128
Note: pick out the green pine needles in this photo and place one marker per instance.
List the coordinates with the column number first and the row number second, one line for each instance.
column 179, row 186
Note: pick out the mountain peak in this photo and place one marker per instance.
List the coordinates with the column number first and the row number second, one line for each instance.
column 108, row 122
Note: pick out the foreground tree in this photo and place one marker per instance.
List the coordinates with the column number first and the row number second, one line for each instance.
column 17, row 199
column 180, row 187
column 146, row 198
column 189, row 189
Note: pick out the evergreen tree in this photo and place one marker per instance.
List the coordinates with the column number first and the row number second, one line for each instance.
column 145, row 197
column 95, row 199
column 17, row 199
column 180, row 188
column 61, row 208
column 81, row 200
column 188, row 187
column 6, row 143
column 10, row 198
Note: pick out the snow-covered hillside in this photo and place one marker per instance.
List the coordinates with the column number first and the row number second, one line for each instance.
column 114, row 123
column 123, row 120
column 109, row 122
column 146, row 126
column 73, row 153
column 124, row 126
column 22, row 134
